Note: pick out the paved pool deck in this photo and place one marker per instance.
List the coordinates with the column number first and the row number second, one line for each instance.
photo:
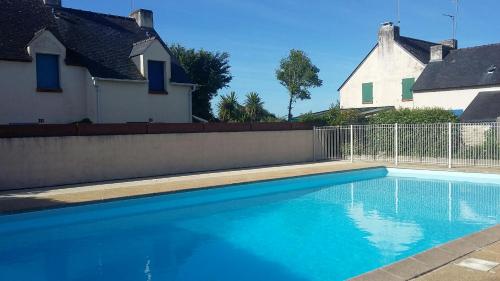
column 436, row 264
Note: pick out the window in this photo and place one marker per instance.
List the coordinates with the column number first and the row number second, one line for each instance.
column 156, row 76
column 367, row 93
column 47, row 72
column 408, row 89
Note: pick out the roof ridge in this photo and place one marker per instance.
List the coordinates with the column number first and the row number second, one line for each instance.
column 95, row 13
column 424, row 41
column 145, row 40
column 480, row 46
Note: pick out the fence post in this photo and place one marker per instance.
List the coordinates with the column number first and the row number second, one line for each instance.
column 352, row 144
column 314, row 144
column 449, row 145
column 396, row 154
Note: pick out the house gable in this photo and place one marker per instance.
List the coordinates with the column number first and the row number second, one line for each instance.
column 151, row 50
column 413, row 47
column 385, row 69
column 45, row 42
column 358, row 67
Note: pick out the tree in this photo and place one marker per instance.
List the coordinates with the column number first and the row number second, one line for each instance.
column 254, row 107
column 229, row 108
column 210, row 70
column 298, row 75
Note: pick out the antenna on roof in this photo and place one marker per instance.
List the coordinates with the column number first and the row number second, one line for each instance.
column 457, row 5
column 399, row 13
column 454, row 18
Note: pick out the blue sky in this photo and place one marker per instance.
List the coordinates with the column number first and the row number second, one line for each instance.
column 336, row 34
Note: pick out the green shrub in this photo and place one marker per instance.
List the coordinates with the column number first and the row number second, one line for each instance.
column 317, row 120
column 334, row 117
column 414, row 116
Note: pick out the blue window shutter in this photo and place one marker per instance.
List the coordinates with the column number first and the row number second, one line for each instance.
column 47, row 71
column 156, row 76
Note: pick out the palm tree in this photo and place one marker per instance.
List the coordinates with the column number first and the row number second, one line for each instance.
column 229, row 108
column 254, row 107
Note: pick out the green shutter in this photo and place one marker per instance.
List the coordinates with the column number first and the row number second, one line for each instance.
column 367, row 92
column 408, row 88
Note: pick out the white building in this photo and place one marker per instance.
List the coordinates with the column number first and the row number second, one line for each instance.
column 403, row 72
column 61, row 65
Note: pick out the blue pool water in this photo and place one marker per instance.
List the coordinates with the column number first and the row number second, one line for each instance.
column 326, row 227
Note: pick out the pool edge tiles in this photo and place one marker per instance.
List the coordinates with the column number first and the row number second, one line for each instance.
column 445, row 175
column 29, row 200
column 131, row 206
column 427, row 262
column 211, row 194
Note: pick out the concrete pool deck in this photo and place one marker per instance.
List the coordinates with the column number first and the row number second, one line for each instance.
column 436, row 264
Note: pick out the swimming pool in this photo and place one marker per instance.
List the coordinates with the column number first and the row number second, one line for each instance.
column 324, row 227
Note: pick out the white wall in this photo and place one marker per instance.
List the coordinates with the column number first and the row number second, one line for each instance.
column 449, row 99
column 121, row 102
column 385, row 67
column 36, row 162
column 116, row 102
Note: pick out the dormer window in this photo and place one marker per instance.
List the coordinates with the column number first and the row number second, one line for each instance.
column 492, row 69
column 156, row 76
column 47, row 73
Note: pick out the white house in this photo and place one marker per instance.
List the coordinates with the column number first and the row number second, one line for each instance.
column 61, row 65
column 403, row 72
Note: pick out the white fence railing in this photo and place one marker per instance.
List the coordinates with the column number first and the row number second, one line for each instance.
column 452, row 144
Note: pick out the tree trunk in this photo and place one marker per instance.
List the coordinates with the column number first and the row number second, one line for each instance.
column 290, row 109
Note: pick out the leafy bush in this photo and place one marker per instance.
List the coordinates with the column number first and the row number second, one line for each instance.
column 414, row 116
column 317, row 120
column 271, row 118
column 334, row 117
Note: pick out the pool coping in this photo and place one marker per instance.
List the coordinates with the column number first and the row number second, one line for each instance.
column 38, row 199
column 435, row 258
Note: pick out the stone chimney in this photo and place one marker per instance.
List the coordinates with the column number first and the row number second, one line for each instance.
column 452, row 43
column 388, row 33
column 439, row 52
column 54, row 3
column 144, row 18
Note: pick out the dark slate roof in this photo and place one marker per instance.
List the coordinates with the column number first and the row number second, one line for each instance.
column 462, row 68
column 101, row 43
column 420, row 49
column 484, row 108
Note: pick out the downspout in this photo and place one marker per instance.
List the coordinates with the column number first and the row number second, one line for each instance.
column 96, row 98
column 193, row 89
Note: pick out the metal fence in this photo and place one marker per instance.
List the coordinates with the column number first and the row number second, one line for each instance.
column 452, row 144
